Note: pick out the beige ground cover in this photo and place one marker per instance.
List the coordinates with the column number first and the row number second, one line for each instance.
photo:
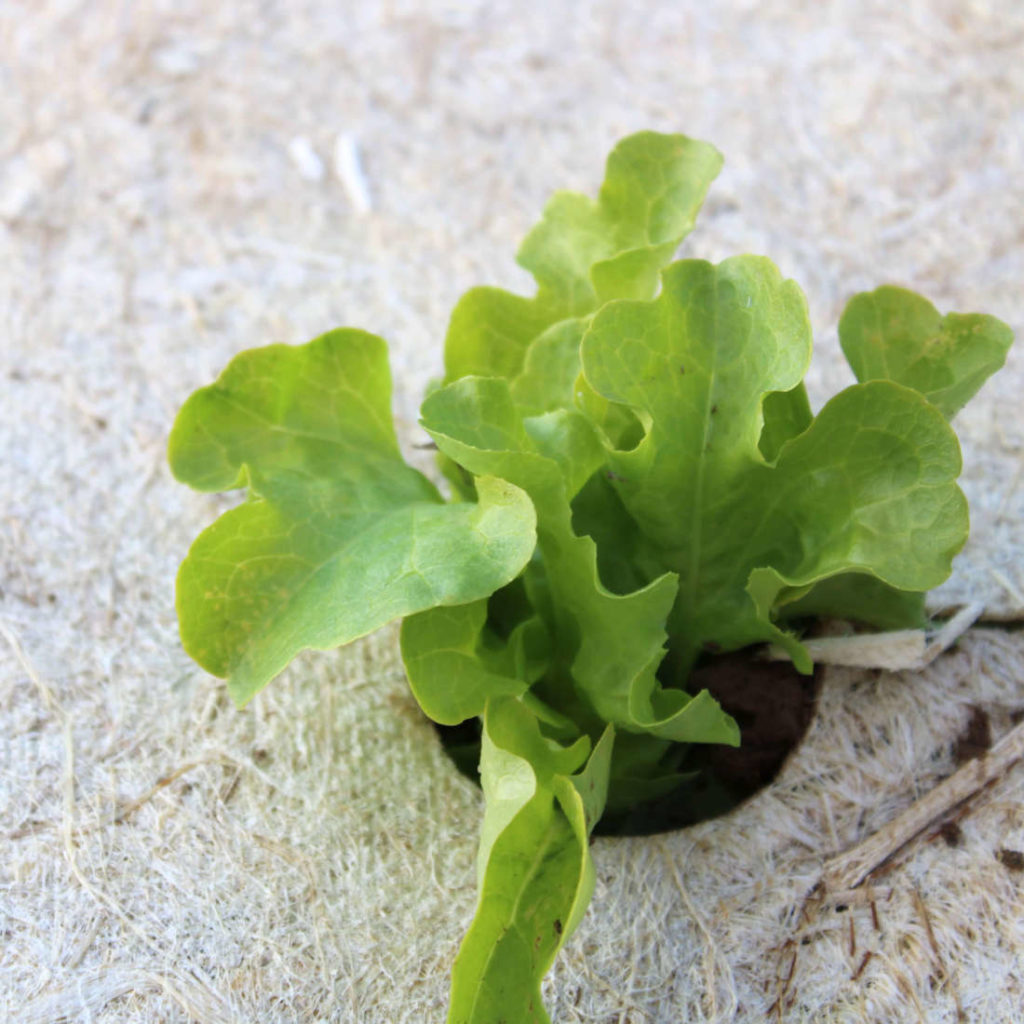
column 181, row 181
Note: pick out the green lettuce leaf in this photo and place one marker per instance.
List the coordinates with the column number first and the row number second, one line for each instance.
column 534, row 867
column 893, row 334
column 584, row 252
column 338, row 535
column 876, row 473
column 860, row 598
column 454, row 666
column 611, row 643
column 696, row 364
column 786, row 414
column 548, row 377
column 868, row 487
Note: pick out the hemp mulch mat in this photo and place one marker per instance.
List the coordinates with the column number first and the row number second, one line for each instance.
column 179, row 182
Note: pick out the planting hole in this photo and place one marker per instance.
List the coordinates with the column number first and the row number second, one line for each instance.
column 772, row 704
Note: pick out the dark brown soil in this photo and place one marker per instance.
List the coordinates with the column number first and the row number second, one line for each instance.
column 773, row 705
column 1012, row 860
column 976, row 738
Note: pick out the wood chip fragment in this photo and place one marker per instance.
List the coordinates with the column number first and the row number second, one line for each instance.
column 897, row 651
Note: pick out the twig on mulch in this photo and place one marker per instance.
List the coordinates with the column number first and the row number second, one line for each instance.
column 849, row 869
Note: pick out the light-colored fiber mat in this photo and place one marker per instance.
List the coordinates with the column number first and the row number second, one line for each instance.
column 168, row 197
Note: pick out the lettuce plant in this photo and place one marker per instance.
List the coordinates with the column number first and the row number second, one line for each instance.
column 636, row 480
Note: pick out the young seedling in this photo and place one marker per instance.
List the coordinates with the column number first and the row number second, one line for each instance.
column 636, row 479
